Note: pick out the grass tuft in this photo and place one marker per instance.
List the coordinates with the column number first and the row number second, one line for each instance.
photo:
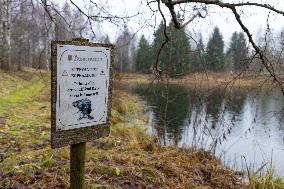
column 266, row 181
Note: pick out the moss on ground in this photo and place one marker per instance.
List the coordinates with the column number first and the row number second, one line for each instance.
column 129, row 158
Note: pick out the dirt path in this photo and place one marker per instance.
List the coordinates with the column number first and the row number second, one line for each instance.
column 20, row 95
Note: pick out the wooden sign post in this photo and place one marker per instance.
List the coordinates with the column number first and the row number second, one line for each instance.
column 81, row 98
column 77, row 165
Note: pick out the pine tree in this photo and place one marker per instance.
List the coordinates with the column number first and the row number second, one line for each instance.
column 143, row 57
column 215, row 51
column 237, row 52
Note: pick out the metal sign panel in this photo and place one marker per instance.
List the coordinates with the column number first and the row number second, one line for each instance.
column 81, row 91
column 82, row 86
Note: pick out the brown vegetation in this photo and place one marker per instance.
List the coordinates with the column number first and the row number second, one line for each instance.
column 205, row 80
column 129, row 158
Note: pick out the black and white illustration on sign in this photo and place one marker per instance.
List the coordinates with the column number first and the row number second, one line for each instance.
column 85, row 108
column 82, row 86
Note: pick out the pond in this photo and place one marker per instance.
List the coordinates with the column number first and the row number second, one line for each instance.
column 244, row 128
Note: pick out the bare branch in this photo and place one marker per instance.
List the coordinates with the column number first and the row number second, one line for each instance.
column 156, row 65
column 221, row 4
column 109, row 17
column 232, row 6
column 264, row 60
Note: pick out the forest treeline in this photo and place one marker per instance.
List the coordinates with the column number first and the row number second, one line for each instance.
column 183, row 54
column 28, row 27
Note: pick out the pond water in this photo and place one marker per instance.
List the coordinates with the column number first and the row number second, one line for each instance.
column 244, row 128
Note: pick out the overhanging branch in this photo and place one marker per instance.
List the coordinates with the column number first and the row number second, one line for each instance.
column 170, row 4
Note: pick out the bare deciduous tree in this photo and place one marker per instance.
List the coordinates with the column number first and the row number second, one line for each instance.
column 6, row 34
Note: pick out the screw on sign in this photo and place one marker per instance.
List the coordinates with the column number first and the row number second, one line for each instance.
column 81, row 98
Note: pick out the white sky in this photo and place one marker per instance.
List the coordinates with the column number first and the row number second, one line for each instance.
column 253, row 18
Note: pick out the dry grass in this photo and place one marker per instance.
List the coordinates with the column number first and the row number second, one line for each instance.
column 126, row 106
column 205, row 80
column 134, row 78
column 212, row 79
column 147, row 165
column 129, row 158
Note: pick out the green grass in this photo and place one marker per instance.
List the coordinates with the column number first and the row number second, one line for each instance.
column 18, row 90
column 128, row 157
column 266, row 181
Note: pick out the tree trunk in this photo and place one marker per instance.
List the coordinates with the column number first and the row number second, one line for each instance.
column 6, row 35
column 47, row 52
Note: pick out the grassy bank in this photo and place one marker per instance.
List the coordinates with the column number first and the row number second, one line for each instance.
column 129, row 158
column 205, row 80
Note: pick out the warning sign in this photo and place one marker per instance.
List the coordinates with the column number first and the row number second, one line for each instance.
column 81, row 91
column 83, row 88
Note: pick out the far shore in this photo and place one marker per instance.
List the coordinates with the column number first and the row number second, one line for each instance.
column 203, row 80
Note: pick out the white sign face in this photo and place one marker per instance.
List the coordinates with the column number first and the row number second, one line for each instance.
column 82, row 86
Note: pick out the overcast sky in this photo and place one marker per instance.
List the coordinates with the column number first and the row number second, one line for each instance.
column 253, row 18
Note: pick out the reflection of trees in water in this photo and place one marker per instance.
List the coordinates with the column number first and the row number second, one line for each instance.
column 218, row 102
column 270, row 105
column 213, row 102
column 235, row 101
column 171, row 106
column 215, row 113
column 209, row 114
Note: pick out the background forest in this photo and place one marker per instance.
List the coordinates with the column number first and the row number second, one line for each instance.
column 28, row 27
column 197, row 93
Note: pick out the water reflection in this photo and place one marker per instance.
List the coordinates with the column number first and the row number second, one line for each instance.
column 241, row 127
column 170, row 106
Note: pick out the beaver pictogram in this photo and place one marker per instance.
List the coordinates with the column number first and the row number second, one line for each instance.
column 85, row 108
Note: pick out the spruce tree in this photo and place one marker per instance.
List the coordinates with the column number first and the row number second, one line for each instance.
column 179, row 49
column 237, row 52
column 215, row 51
column 143, row 57
column 174, row 58
column 197, row 55
column 159, row 38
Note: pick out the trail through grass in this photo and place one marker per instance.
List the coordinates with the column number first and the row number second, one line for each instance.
column 18, row 90
column 128, row 158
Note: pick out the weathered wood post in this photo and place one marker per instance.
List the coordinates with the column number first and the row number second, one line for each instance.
column 81, row 88
column 77, row 165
